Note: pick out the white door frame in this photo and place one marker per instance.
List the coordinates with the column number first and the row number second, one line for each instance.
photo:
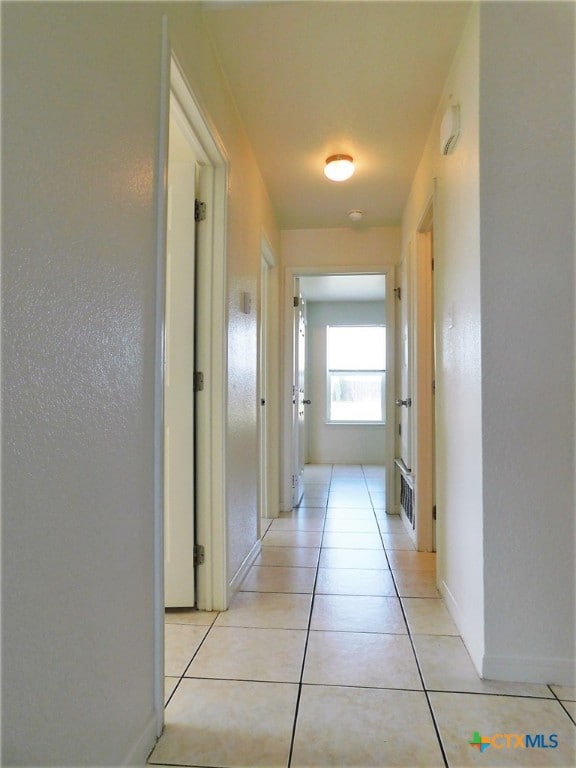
column 267, row 262
column 287, row 442
column 423, row 423
column 211, row 354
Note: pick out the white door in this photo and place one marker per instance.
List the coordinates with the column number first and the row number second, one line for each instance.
column 404, row 352
column 179, row 458
column 263, row 389
column 298, row 398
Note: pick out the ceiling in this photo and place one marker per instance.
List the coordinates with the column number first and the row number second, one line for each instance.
column 311, row 79
column 343, row 288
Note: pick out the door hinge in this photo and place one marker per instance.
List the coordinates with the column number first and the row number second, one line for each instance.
column 398, row 293
column 199, row 210
column 432, row 265
column 399, row 430
column 296, row 301
column 198, row 554
column 293, row 481
column 198, row 381
column 434, row 512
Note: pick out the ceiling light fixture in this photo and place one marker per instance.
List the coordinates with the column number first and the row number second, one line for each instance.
column 339, row 167
column 356, row 214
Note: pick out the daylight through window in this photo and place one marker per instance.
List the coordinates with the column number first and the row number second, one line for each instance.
column 356, row 357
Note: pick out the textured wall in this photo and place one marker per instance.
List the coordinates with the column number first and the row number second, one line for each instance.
column 81, row 96
column 80, row 113
column 527, row 93
column 458, row 341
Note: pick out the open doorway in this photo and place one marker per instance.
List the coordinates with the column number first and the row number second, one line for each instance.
column 190, row 340
column 345, row 297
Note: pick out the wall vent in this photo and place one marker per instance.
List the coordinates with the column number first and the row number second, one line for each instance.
column 407, row 500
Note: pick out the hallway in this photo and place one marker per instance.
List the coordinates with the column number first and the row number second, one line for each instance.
column 339, row 651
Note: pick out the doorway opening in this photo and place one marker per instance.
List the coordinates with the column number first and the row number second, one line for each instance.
column 189, row 429
column 316, row 299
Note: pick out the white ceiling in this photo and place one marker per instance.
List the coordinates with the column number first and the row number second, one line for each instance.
column 343, row 288
column 311, row 79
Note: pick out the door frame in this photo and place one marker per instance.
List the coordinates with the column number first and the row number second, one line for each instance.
column 211, row 356
column 267, row 262
column 423, row 424
column 287, row 442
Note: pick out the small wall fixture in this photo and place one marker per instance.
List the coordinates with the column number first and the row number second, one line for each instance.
column 339, row 167
column 450, row 130
column 356, row 215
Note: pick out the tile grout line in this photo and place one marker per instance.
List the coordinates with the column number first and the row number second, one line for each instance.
column 300, row 683
column 424, row 689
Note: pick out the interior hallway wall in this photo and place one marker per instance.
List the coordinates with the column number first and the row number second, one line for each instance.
column 80, row 109
column 459, row 529
column 527, row 172
column 337, row 443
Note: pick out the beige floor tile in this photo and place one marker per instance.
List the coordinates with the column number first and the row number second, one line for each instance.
column 318, row 487
column 265, row 524
column 565, row 692
column 412, row 561
column 237, row 653
column 303, row 523
column 460, row 715
column 335, row 540
column 389, row 523
column 446, row 666
column 397, row 541
column 170, row 684
column 301, row 539
column 352, row 500
column 347, row 613
column 306, row 557
column 570, row 706
column 364, row 728
column 362, row 525
column 228, row 723
column 378, row 499
column 361, row 659
column 314, row 500
column 266, row 610
column 186, row 616
column 180, row 643
column 416, row 583
column 263, row 578
column 353, row 581
column 304, row 513
column 347, row 470
column 349, row 513
column 428, row 616
column 353, row 558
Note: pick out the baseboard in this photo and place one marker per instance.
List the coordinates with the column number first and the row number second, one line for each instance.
column 144, row 744
column 242, row 572
column 530, row 669
column 474, row 645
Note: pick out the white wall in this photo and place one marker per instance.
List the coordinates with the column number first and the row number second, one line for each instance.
column 80, row 130
column 527, row 92
column 458, row 352
column 336, row 443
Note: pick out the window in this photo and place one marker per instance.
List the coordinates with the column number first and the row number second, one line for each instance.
column 356, row 356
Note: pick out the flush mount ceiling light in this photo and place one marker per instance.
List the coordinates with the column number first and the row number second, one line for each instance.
column 339, row 167
column 356, row 214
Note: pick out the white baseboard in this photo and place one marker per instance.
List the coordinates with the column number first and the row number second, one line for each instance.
column 474, row 645
column 144, row 744
column 530, row 669
column 242, row 572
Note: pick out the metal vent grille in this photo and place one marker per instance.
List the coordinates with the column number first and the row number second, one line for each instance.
column 407, row 499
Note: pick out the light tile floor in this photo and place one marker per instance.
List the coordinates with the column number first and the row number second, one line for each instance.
column 338, row 651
